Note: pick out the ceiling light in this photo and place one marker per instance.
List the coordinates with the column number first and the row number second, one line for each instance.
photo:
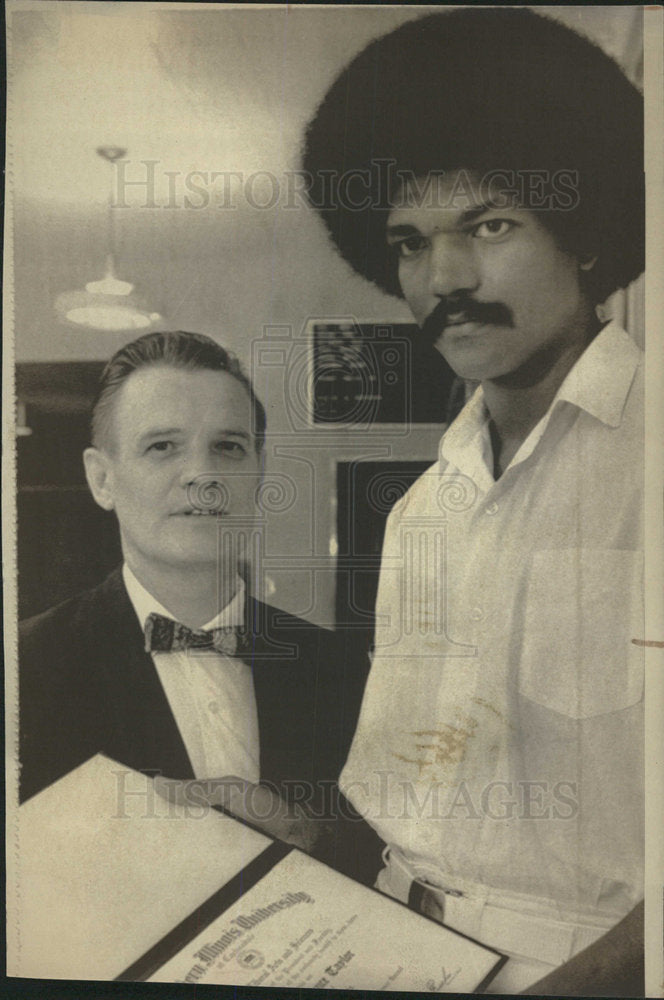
column 108, row 303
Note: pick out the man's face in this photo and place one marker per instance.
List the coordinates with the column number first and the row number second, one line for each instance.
column 489, row 287
column 180, row 468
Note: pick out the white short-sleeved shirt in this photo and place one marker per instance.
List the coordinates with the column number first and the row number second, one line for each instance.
column 501, row 736
column 211, row 695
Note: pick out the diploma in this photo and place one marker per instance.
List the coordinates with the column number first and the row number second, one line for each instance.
column 116, row 882
column 304, row 925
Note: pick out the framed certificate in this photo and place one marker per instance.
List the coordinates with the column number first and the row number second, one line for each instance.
column 124, row 884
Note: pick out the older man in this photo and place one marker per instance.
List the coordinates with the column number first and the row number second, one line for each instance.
column 486, row 165
column 170, row 666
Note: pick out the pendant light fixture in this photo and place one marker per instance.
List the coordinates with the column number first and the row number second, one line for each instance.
column 108, row 303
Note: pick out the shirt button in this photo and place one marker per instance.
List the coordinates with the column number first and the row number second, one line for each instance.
column 213, row 707
column 477, row 614
column 491, row 508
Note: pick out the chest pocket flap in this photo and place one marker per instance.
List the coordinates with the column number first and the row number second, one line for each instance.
column 582, row 609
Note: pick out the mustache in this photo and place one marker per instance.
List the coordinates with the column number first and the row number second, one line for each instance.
column 454, row 309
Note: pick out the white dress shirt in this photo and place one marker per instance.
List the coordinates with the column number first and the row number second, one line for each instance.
column 211, row 695
column 500, row 741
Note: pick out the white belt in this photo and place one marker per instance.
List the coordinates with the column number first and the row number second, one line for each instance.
column 510, row 922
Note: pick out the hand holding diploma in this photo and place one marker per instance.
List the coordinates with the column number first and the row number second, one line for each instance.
column 132, row 878
column 255, row 804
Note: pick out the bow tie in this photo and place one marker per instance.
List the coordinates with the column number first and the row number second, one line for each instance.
column 164, row 635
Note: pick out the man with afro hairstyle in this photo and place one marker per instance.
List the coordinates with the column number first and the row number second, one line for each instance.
column 486, row 164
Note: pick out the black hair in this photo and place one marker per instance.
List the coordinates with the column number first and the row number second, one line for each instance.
column 484, row 89
column 178, row 349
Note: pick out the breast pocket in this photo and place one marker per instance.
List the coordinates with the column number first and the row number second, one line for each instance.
column 582, row 608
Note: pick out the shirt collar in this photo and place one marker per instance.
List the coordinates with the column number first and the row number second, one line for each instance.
column 598, row 383
column 600, row 380
column 145, row 604
column 466, row 443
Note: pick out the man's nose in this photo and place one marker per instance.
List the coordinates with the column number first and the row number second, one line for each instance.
column 205, row 486
column 197, row 463
column 452, row 265
column 202, row 476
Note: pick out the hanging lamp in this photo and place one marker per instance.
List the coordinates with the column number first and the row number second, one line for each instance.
column 108, row 303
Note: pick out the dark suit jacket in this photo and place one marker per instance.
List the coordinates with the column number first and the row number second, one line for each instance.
column 87, row 686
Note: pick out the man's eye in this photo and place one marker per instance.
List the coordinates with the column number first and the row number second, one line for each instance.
column 231, row 449
column 161, row 446
column 410, row 245
column 493, row 229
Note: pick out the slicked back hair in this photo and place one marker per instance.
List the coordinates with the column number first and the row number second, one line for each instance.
column 483, row 89
column 177, row 349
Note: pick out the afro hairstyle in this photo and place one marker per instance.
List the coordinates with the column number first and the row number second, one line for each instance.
column 482, row 89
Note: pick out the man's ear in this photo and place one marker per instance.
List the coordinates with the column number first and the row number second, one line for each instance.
column 99, row 476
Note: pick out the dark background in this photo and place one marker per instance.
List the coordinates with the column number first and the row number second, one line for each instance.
column 66, row 543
